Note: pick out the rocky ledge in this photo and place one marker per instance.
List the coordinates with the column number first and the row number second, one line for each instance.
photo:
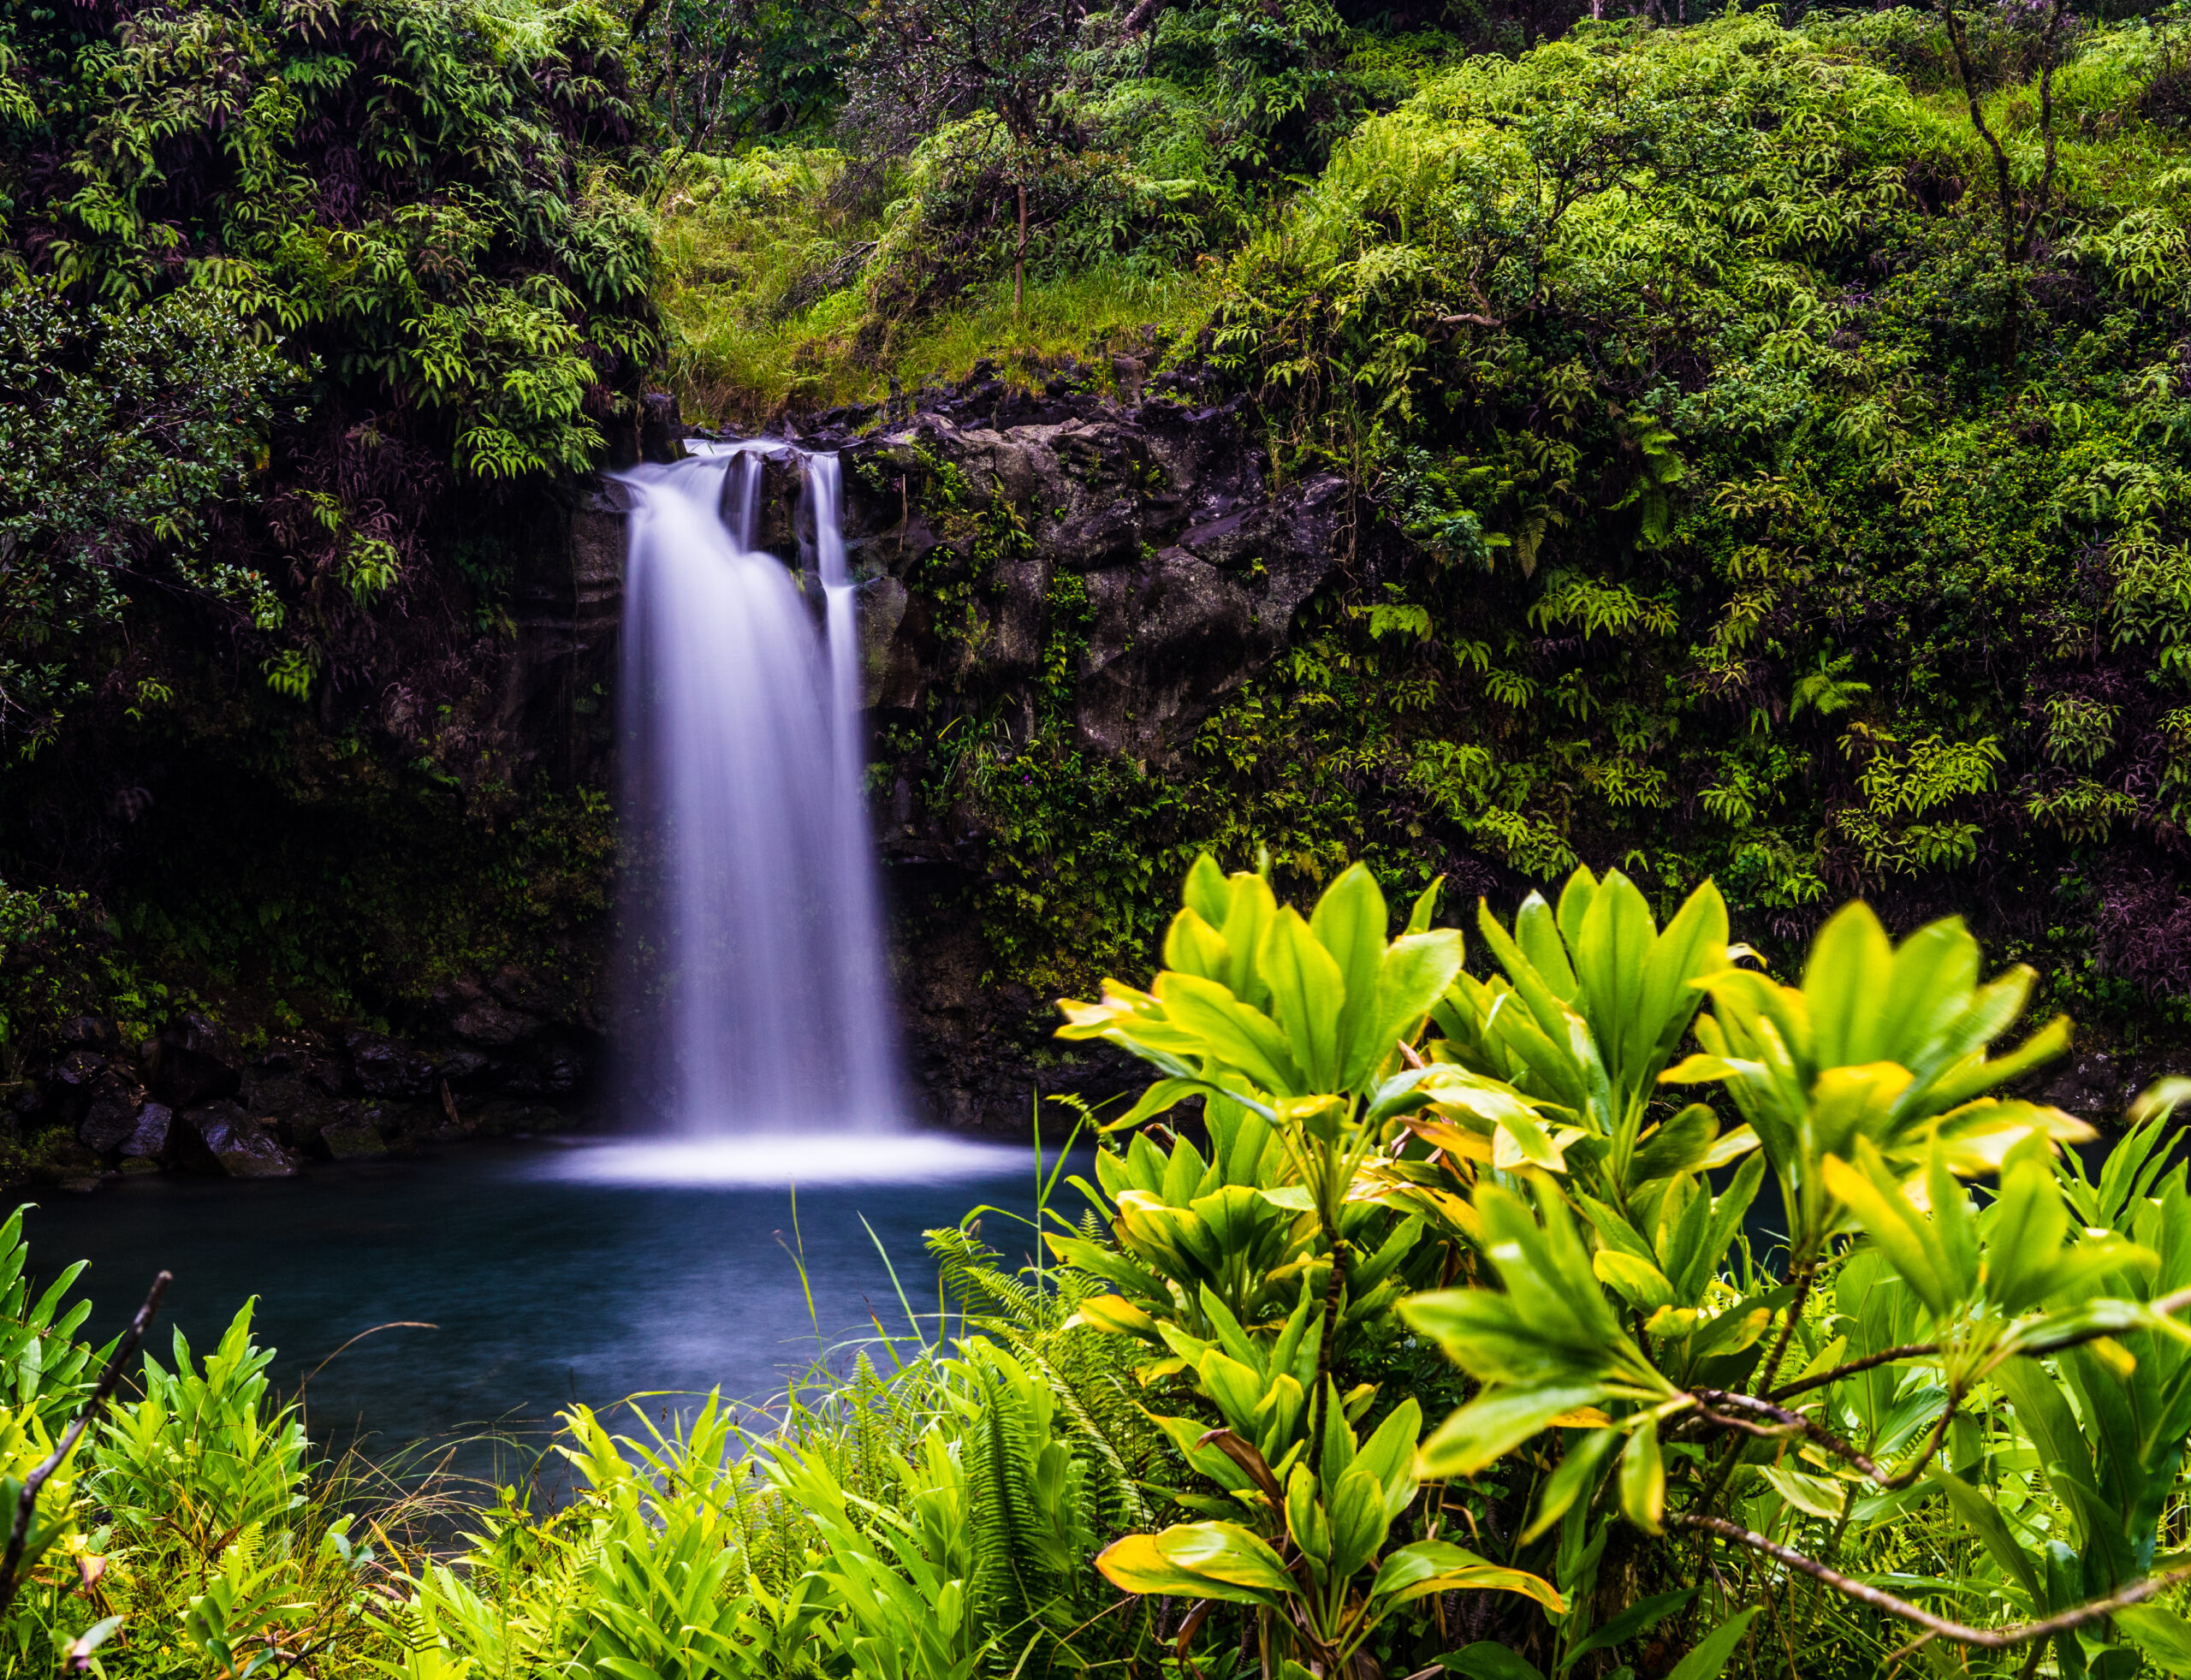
column 192, row 1099
column 1150, row 509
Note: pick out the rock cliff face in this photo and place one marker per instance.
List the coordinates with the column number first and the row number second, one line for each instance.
column 1152, row 516
column 1191, row 567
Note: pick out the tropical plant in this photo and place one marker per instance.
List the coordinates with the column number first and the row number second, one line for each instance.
column 1625, row 1345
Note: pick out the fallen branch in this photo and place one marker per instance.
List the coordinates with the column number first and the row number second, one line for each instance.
column 1935, row 1627
column 27, row 1504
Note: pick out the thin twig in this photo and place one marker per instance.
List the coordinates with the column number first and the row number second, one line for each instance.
column 1886, row 1357
column 27, row 1504
column 1806, row 1275
column 1790, row 1420
column 1985, row 1639
column 393, row 1324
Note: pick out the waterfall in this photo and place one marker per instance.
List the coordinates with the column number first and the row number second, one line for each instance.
column 746, row 767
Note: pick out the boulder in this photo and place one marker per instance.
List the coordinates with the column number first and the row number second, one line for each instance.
column 193, row 1061
column 242, row 1148
column 388, row 1069
column 91, row 1032
column 351, row 1138
column 491, row 1024
column 152, row 1136
column 110, row 1121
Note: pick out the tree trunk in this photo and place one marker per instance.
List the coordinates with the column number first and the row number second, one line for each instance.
column 1019, row 265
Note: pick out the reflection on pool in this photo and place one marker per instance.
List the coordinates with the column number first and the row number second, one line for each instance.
column 555, row 1272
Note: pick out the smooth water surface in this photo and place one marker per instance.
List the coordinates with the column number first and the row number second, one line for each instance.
column 585, row 1271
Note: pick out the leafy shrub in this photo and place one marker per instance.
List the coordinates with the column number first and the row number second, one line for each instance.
column 1633, row 1360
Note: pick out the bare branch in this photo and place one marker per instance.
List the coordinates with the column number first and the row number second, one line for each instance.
column 1960, row 1633
column 27, row 1504
column 1885, row 1356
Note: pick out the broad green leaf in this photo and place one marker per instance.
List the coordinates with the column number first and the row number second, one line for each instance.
column 1617, row 935
column 1486, row 1661
column 1681, row 1145
column 1253, row 907
column 1493, row 1424
column 1425, row 907
column 1710, row 1656
column 1644, row 1614
column 1191, row 944
column 1207, row 892
column 1902, row 1234
column 1979, row 1514
column 1538, row 935
column 1643, row 1479
column 1231, row 1032
column 1349, row 922
column 2024, row 1233
column 1211, row 1560
column 1845, row 981
column 1308, row 994
column 1576, row 897
column 1694, row 944
column 1814, row 1495
column 1413, row 974
column 2162, row 1635
column 1637, row 1282
column 1438, row 1566
column 1575, row 1477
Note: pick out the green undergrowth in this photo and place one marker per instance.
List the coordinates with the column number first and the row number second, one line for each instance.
column 1736, row 504
column 771, row 312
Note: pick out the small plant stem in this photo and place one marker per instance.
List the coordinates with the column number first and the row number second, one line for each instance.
column 1804, row 1274
column 1785, row 1421
column 1333, row 1289
column 1936, row 1627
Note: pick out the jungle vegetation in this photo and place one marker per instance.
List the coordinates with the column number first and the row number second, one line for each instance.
column 1780, row 422
column 1626, row 1312
column 1766, row 432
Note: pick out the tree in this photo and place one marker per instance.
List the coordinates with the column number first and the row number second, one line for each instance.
column 2019, row 222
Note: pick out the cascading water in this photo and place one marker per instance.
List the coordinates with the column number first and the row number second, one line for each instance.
column 745, row 758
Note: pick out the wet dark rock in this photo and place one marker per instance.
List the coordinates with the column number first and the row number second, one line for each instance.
column 91, row 1032
column 2093, row 1084
column 239, row 1145
column 151, row 1138
column 662, row 435
column 194, row 1061
column 508, row 1118
column 387, row 1068
column 467, row 1071
column 491, row 1024
column 70, row 1165
column 351, row 1139
column 520, row 990
column 80, row 1068
column 557, row 1073
column 110, row 1120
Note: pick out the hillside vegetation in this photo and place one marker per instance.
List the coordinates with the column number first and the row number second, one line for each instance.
column 1789, row 487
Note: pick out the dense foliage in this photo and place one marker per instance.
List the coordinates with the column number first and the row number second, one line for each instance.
column 1738, row 487
column 1850, row 1356
column 393, row 212
column 301, row 307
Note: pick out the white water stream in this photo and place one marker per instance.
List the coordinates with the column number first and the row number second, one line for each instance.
column 744, row 756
